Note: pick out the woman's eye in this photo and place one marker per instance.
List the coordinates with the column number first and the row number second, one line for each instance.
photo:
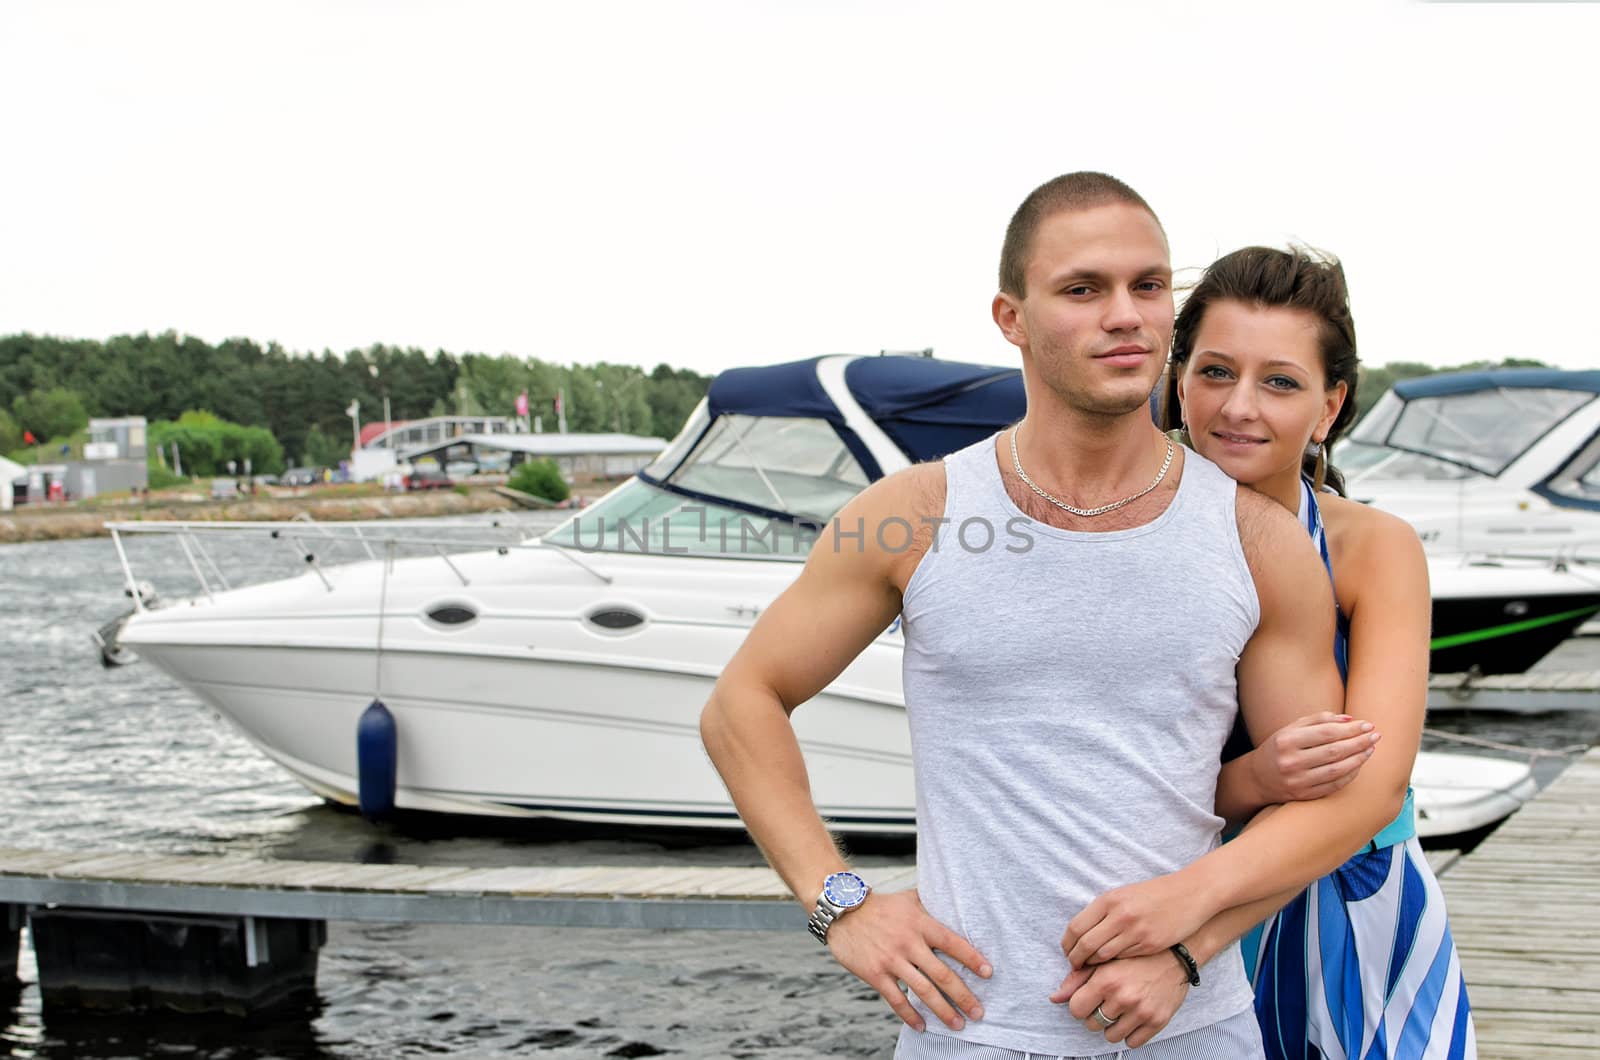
column 1282, row 382
column 1214, row 371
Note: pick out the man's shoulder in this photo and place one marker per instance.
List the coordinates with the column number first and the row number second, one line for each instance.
column 1279, row 552
column 911, row 493
column 1263, row 522
column 885, row 529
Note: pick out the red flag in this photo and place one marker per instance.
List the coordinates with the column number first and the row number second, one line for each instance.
column 29, row 439
column 522, row 403
column 557, row 402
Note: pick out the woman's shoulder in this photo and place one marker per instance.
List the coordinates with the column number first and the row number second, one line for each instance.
column 1370, row 541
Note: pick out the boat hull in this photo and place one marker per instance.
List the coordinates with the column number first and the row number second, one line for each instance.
column 536, row 737
column 1504, row 634
column 532, row 710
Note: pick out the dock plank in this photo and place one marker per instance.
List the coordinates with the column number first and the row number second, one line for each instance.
column 1526, row 919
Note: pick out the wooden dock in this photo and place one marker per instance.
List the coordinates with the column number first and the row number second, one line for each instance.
column 1525, row 910
column 1524, row 906
column 1526, row 693
column 587, row 896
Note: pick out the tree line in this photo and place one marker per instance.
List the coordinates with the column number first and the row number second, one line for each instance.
column 50, row 386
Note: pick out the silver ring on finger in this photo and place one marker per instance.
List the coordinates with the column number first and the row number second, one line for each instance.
column 1101, row 1018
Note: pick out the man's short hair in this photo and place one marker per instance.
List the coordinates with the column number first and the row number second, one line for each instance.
column 1071, row 191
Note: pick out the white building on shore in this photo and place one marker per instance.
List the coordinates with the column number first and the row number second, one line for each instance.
column 10, row 473
column 596, row 455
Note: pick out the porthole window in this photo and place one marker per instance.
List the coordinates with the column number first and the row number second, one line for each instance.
column 616, row 619
column 451, row 614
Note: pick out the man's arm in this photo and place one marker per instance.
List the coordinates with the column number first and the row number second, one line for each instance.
column 848, row 593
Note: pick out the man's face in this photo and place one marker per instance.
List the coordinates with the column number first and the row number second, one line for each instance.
column 1095, row 320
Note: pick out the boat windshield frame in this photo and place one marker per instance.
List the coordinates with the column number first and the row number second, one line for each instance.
column 823, row 458
column 800, row 532
column 1391, row 419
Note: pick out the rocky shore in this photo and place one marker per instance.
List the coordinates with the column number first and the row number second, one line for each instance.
column 60, row 522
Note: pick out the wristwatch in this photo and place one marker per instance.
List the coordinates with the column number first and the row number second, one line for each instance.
column 841, row 892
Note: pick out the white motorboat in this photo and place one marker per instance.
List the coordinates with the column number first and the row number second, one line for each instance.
column 564, row 676
column 1466, row 791
column 1496, row 469
column 1504, row 461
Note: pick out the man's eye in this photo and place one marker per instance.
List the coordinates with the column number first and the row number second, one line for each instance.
column 1078, row 290
column 1152, row 285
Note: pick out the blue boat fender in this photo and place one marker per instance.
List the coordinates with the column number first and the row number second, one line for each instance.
column 377, row 747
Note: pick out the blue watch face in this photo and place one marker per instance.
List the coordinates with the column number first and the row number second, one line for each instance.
column 845, row 889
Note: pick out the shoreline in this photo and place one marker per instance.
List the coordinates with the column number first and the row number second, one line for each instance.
column 67, row 522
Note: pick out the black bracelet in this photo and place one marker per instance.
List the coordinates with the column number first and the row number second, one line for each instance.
column 1185, row 958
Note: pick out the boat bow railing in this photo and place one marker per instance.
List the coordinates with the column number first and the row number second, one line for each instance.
column 315, row 542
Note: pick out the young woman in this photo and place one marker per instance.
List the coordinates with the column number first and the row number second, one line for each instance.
column 1361, row 963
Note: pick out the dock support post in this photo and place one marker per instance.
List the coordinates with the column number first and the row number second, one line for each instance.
column 125, row 959
column 11, row 917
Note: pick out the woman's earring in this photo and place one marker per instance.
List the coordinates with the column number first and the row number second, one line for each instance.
column 1320, row 474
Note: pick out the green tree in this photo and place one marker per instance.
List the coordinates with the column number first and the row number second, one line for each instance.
column 673, row 394
column 207, row 443
column 542, row 478
column 324, row 448
column 53, row 413
column 10, row 433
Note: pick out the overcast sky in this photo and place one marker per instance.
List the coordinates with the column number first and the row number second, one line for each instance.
column 715, row 184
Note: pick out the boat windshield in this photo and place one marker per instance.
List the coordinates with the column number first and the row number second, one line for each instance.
column 795, row 466
column 1580, row 479
column 798, row 466
column 1453, row 435
column 644, row 519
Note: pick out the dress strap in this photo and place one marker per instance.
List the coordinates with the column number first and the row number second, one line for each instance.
column 1311, row 519
column 1404, row 826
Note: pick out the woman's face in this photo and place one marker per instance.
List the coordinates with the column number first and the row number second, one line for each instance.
column 1253, row 393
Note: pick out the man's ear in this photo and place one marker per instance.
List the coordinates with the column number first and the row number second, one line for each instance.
column 1007, row 313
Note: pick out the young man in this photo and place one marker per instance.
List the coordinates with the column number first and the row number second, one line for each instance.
column 1068, row 701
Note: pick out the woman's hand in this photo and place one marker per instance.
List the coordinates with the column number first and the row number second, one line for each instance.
column 1136, row 920
column 1311, row 757
column 1139, row 993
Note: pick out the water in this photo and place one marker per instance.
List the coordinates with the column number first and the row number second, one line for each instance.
column 122, row 759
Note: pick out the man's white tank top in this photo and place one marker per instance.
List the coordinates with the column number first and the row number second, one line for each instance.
column 1069, row 693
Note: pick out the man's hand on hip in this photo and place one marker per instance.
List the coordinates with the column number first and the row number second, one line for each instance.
column 890, row 940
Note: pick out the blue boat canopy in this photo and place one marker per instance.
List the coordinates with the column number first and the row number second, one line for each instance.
column 772, row 390
column 1517, row 378
column 929, row 408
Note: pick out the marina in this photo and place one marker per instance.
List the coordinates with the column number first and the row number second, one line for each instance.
column 550, row 782
column 118, row 761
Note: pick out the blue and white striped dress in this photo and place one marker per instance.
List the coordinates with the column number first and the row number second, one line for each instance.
column 1362, row 965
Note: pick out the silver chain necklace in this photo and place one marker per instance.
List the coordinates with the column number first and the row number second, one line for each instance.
column 1016, row 464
